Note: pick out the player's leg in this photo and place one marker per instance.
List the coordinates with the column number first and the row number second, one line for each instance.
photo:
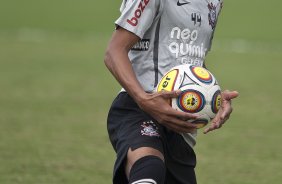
column 180, row 159
column 137, row 141
column 145, row 165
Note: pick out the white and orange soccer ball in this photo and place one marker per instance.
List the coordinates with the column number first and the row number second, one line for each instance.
column 200, row 94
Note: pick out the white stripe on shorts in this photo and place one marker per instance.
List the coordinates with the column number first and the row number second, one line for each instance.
column 145, row 181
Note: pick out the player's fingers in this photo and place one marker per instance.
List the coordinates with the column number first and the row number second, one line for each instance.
column 225, row 119
column 182, row 123
column 226, row 110
column 212, row 127
column 181, row 115
column 170, row 94
column 171, row 120
column 216, row 118
column 177, row 126
column 207, row 130
column 228, row 95
column 226, row 113
column 216, row 123
column 221, row 118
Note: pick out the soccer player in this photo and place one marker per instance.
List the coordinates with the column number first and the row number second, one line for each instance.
column 151, row 37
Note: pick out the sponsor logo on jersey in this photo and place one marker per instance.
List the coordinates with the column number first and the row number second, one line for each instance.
column 134, row 20
column 183, row 44
column 184, row 47
column 142, row 45
column 182, row 3
column 149, row 128
column 192, row 61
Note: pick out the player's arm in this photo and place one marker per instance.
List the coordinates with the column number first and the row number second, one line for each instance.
column 155, row 104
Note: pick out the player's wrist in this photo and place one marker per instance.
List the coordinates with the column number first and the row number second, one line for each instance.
column 140, row 97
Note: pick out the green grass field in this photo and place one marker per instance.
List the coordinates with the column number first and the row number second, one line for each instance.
column 55, row 93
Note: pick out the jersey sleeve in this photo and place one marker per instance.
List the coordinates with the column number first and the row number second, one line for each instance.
column 218, row 10
column 138, row 15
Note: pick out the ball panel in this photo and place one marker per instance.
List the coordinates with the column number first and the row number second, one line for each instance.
column 216, row 101
column 167, row 83
column 186, row 80
column 191, row 101
column 200, row 123
column 201, row 74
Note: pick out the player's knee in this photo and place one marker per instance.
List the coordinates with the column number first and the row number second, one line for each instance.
column 148, row 170
column 134, row 155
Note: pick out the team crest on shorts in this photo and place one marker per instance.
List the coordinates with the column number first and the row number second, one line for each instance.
column 149, row 128
column 213, row 14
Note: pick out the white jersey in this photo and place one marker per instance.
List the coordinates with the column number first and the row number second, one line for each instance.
column 171, row 32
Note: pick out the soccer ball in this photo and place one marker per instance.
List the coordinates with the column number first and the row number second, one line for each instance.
column 200, row 92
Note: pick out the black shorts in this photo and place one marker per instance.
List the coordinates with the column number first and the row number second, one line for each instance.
column 130, row 127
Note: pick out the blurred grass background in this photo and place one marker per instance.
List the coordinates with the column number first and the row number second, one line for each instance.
column 55, row 93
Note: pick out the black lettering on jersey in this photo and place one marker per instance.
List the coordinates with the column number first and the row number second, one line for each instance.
column 142, row 45
column 196, row 18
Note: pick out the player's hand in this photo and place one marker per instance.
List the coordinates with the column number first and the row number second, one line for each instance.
column 156, row 104
column 224, row 112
